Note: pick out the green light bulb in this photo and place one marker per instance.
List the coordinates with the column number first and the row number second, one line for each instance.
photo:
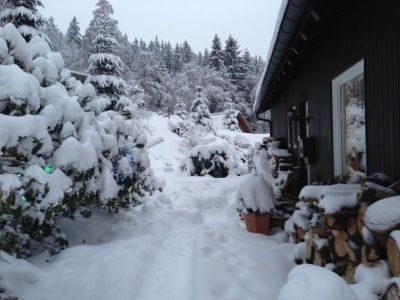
column 23, row 200
column 48, row 168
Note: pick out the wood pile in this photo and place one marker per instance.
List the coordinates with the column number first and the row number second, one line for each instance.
column 342, row 239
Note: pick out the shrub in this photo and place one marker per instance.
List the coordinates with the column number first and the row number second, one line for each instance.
column 209, row 159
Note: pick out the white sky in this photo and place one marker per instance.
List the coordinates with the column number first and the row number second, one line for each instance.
column 250, row 21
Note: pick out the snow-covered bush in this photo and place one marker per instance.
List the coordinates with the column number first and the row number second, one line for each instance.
column 230, row 121
column 210, row 159
column 200, row 114
column 177, row 125
column 60, row 155
column 255, row 195
column 180, row 109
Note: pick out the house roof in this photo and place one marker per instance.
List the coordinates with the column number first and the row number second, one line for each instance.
column 288, row 19
column 300, row 26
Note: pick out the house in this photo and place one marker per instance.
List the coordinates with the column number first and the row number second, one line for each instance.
column 332, row 85
column 218, row 119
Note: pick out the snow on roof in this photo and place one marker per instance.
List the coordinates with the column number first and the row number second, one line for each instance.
column 270, row 51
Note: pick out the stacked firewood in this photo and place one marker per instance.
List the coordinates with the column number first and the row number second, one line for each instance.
column 341, row 239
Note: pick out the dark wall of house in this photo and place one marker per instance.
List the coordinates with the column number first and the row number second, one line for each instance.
column 368, row 30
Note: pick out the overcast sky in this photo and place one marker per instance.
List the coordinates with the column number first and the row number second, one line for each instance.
column 250, row 21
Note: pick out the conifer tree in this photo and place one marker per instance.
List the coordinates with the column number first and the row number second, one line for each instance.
column 200, row 114
column 25, row 16
column 177, row 60
column 106, row 67
column 216, row 58
column 230, row 121
column 73, row 33
column 233, row 62
column 56, row 37
column 206, row 57
column 187, row 54
column 103, row 11
column 180, row 109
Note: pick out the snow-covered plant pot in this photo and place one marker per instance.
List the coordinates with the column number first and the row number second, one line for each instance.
column 211, row 159
column 255, row 200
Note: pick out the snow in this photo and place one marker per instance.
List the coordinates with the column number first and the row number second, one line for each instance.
column 184, row 243
column 73, row 154
column 57, row 184
column 14, row 128
column 255, row 195
column 396, row 236
column 371, row 282
column 9, row 182
column 383, row 215
column 19, row 87
column 332, row 198
column 18, row 47
column 315, row 283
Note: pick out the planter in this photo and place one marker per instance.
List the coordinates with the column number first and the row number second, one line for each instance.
column 257, row 223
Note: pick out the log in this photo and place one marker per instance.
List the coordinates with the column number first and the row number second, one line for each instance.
column 310, row 250
column 349, row 273
column 395, row 187
column 370, row 256
column 371, row 192
column 352, row 226
column 361, row 216
column 341, row 246
column 392, row 293
column 393, row 254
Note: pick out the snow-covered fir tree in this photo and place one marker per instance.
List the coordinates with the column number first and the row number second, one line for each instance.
column 105, row 66
column 180, row 109
column 56, row 37
column 216, row 56
column 233, row 62
column 25, row 16
column 200, row 114
column 230, row 121
column 73, row 35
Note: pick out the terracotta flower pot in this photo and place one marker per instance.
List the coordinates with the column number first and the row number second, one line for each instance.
column 257, row 223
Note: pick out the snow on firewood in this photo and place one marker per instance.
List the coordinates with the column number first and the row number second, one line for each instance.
column 383, row 215
column 315, row 283
column 371, row 282
column 332, row 198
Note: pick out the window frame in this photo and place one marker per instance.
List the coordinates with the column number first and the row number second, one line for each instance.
column 338, row 117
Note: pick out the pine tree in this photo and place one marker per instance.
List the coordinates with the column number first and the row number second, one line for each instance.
column 206, row 57
column 103, row 11
column 187, row 54
column 177, row 60
column 106, row 67
column 230, row 121
column 233, row 62
column 180, row 109
column 73, row 33
column 216, row 58
column 168, row 58
column 56, row 37
column 200, row 114
column 25, row 16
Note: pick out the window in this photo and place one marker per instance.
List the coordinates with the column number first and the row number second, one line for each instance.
column 349, row 133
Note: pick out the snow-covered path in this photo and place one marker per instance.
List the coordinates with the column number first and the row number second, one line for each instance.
column 185, row 244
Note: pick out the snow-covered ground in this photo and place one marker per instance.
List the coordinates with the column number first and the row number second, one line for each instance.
column 185, row 243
